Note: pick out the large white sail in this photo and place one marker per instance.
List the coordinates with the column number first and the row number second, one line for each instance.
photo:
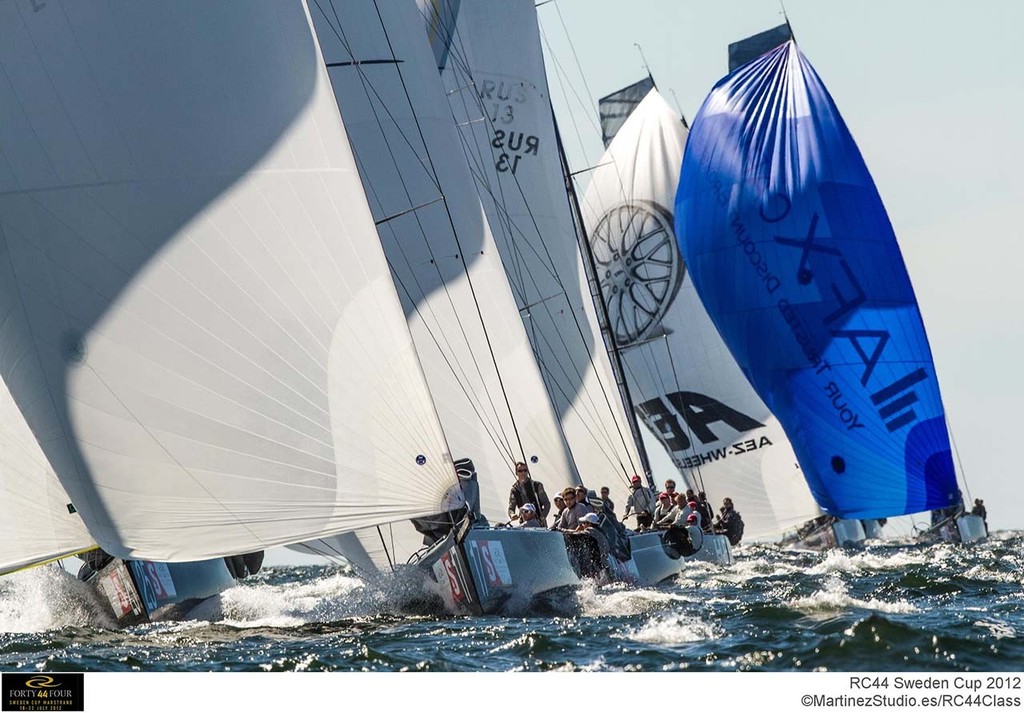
column 497, row 88
column 478, row 362
column 686, row 386
column 218, row 358
column 37, row 521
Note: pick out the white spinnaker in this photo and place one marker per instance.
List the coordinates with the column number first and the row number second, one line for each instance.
column 497, row 88
column 36, row 524
column 477, row 359
column 676, row 362
column 221, row 361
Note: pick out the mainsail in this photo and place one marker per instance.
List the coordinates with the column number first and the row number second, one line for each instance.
column 791, row 250
column 469, row 336
column 499, row 98
column 200, row 326
column 686, row 387
column 615, row 109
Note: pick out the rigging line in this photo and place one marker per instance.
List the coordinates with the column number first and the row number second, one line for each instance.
column 618, row 175
column 407, row 211
column 689, row 431
column 460, row 375
column 956, row 450
column 516, row 280
column 573, row 174
column 384, row 545
column 572, row 48
column 363, row 61
column 561, row 74
column 600, row 439
column 591, row 267
column 451, row 222
column 339, row 33
column 644, row 60
column 394, row 399
column 682, row 116
column 510, row 229
column 327, row 550
column 368, row 87
column 458, row 59
column 785, row 17
column 484, row 176
column 493, row 432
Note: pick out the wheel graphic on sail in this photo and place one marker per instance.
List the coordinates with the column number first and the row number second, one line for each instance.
column 639, row 267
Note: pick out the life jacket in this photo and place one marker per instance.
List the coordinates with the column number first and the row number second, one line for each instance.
column 734, row 530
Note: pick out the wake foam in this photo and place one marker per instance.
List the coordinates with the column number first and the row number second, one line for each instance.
column 46, row 598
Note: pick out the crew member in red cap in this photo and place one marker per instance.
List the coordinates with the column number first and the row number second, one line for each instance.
column 641, row 502
column 665, row 511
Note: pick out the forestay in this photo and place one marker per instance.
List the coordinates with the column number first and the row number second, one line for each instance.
column 204, row 334
column 788, row 243
column 686, row 386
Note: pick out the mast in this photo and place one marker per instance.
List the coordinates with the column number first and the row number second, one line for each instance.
column 590, row 267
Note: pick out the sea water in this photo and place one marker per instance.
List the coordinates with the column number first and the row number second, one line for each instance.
column 890, row 607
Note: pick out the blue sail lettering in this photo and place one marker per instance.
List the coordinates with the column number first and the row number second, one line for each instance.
column 804, row 275
column 870, row 360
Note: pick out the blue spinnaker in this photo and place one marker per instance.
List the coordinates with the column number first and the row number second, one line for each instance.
column 791, row 250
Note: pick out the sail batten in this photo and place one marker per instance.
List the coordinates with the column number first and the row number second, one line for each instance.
column 795, row 258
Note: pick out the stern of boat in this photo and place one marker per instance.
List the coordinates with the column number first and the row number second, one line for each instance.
column 716, row 549
column 138, row 591
column 971, row 528
column 500, row 570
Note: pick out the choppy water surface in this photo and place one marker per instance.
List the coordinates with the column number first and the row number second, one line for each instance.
column 889, row 607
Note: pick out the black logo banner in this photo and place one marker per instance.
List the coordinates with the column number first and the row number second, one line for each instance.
column 43, row 691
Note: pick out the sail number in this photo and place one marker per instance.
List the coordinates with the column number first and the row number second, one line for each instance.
column 512, row 146
column 453, row 577
column 499, row 100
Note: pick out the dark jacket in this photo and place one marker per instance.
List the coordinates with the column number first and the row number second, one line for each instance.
column 529, row 491
column 731, row 525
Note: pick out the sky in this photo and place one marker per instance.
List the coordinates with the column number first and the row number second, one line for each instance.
column 931, row 91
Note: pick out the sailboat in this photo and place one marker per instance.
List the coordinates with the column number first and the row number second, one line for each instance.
column 791, row 251
column 689, row 391
column 498, row 93
column 490, row 383
column 201, row 330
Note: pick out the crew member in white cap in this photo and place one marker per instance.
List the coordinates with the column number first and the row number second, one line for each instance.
column 528, row 516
